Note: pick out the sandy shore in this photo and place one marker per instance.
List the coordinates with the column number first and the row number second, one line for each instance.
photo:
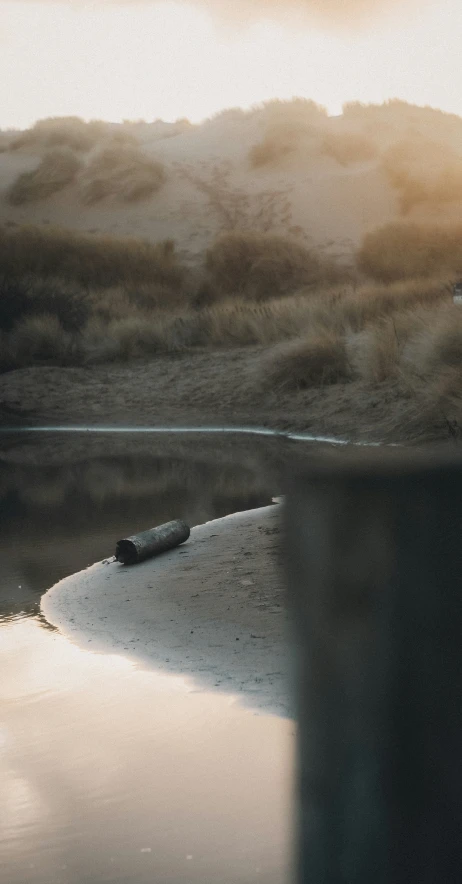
column 212, row 609
column 210, row 387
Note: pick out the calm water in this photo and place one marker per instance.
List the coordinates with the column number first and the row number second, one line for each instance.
column 110, row 773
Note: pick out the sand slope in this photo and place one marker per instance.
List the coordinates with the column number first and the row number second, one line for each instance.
column 213, row 609
column 212, row 186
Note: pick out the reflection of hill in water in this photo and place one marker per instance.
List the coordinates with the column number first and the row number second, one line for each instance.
column 56, row 520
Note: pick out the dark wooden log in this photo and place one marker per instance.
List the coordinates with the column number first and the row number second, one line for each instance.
column 152, row 542
column 374, row 552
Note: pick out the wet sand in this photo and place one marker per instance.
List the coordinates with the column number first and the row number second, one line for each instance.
column 212, row 609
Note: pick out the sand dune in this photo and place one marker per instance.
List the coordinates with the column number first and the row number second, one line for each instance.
column 323, row 180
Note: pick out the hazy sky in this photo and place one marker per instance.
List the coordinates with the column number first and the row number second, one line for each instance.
column 130, row 59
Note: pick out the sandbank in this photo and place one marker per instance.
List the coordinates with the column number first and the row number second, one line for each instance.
column 212, row 610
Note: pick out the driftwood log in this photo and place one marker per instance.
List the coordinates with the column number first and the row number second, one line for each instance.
column 152, row 542
column 374, row 553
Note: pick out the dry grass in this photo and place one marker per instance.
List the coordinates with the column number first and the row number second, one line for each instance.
column 37, row 339
column 424, row 172
column 121, row 300
column 311, row 361
column 124, row 173
column 347, row 148
column 89, row 260
column 56, row 171
column 290, row 110
column 261, row 266
column 280, row 140
column 70, row 132
column 406, row 251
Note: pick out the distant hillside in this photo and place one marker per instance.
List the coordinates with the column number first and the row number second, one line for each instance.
column 283, row 167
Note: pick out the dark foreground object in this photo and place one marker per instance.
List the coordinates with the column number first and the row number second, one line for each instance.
column 152, row 542
column 374, row 551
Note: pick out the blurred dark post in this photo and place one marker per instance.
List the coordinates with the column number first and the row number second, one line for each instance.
column 374, row 553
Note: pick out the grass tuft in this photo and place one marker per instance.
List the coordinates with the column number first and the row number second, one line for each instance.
column 123, row 173
column 347, row 148
column 261, row 266
column 53, row 132
column 401, row 251
column 314, row 360
column 56, row 171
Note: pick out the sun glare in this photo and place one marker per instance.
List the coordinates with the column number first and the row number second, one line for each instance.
column 171, row 60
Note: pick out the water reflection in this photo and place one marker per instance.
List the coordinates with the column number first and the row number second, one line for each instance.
column 111, row 774
column 57, row 519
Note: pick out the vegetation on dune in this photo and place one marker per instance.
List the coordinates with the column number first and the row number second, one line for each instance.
column 71, row 299
column 281, row 139
column 262, row 266
column 56, row 171
column 71, row 132
column 28, row 296
column 312, row 361
column 124, row 173
column 424, row 172
column 88, row 260
column 406, row 251
column 292, row 109
column 347, row 148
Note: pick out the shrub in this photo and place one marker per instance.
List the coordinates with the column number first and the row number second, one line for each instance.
column 124, row 173
column 39, row 339
column 405, row 251
column 375, row 352
column 140, row 335
column 28, row 296
column 423, row 172
column 89, row 260
column 293, row 109
column 261, row 265
column 57, row 170
column 71, row 132
column 306, row 362
column 280, row 140
column 348, row 147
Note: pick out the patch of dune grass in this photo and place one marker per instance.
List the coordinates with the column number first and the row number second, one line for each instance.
column 56, row 171
column 311, row 361
column 262, row 266
column 28, row 296
column 347, row 148
column 280, row 140
column 121, row 300
column 406, row 251
column 424, row 173
column 39, row 339
column 71, row 132
column 123, row 173
column 89, row 260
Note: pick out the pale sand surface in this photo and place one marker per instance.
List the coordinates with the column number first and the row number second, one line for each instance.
column 212, row 186
column 212, row 609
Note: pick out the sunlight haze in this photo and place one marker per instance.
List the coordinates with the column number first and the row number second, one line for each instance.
column 149, row 60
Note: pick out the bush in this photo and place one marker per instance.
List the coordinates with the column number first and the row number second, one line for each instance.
column 302, row 110
column 57, row 170
column 70, row 132
column 88, row 260
column 423, row 172
column 280, row 140
column 306, row 362
column 28, row 296
column 124, row 173
column 261, row 266
column 39, row 339
column 348, row 148
column 406, row 251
